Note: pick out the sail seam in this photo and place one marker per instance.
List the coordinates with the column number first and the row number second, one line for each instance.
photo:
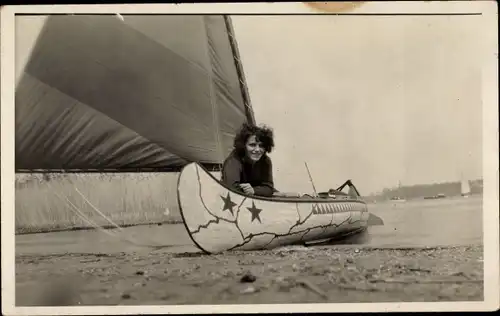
column 110, row 69
column 81, row 102
column 142, row 34
column 78, row 103
column 190, row 62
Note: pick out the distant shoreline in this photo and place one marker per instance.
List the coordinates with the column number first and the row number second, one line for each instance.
column 379, row 199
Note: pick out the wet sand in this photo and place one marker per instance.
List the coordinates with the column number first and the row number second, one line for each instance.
column 285, row 275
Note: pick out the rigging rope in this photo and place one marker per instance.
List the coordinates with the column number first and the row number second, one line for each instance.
column 98, row 227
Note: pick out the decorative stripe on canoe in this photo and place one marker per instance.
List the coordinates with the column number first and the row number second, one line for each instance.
column 322, row 208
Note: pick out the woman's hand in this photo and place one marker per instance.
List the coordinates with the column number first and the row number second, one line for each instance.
column 247, row 188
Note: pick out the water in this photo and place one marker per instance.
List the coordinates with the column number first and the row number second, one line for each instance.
column 443, row 222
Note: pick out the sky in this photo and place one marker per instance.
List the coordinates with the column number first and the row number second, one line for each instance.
column 377, row 99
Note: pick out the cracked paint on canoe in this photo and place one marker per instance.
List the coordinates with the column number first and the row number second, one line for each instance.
column 219, row 219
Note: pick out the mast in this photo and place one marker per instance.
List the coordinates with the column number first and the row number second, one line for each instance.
column 239, row 69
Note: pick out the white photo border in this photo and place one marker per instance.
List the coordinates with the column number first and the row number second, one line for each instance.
column 488, row 11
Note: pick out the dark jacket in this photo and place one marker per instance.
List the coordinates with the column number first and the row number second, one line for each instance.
column 236, row 170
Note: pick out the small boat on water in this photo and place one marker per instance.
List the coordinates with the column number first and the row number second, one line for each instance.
column 465, row 188
column 438, row 196
column 398, row 199
column 136, row 93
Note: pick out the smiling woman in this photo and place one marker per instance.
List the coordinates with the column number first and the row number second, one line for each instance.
column 248, row 168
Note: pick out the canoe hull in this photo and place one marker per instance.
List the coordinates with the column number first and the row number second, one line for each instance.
column 219, row 219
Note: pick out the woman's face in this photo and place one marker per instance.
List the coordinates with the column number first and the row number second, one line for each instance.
column 254, row 149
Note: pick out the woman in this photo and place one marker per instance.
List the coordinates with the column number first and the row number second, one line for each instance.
column 248, row 168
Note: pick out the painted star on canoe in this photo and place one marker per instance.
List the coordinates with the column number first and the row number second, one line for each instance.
column 228, row 204
column 255, row 212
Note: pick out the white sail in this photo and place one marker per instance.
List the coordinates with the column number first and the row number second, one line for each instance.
column 465, row 187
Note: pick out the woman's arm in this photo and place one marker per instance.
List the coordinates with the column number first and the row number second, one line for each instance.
column 287, row 194
column 231, row 173
column 267, row 184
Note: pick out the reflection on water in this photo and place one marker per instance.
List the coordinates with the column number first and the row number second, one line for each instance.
column 445, row 222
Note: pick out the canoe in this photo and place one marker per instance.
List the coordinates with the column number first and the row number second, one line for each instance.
column 220, row 219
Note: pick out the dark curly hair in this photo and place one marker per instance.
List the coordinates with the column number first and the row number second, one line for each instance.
column 263, row 134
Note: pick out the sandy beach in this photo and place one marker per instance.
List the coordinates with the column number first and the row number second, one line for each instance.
column 412, row 258
column 285, row 275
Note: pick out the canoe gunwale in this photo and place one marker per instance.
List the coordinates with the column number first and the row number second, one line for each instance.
column 274, row 199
